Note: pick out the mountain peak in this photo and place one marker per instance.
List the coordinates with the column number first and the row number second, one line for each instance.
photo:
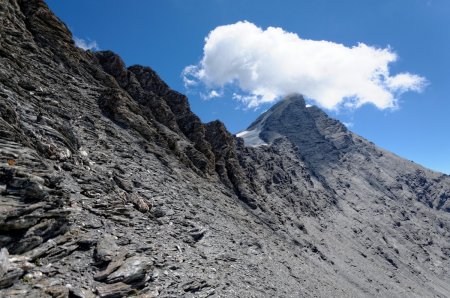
column 287, row 117
column 294, row 97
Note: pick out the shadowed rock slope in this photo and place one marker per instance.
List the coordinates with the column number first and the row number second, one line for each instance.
column 110, row 186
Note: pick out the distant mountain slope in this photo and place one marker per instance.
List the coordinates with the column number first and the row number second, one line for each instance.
column 332, row 151
column 111, row 186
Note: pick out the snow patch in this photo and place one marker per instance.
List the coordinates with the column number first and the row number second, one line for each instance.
column 251, row 137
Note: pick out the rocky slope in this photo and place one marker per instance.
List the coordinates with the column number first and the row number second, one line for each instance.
column 110, row 186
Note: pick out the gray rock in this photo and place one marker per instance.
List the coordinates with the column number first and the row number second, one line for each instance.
column 116, row 290
column 106, row 248
column 10, row 277
column 4, row 261
column 81, row 293
column 112, row 266
column 123, row 184
column 132, row 270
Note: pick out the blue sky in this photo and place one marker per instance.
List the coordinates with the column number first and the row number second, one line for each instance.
column 169, row 35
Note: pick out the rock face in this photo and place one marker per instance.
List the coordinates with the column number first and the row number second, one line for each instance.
column 110, row 186
column 347, row 163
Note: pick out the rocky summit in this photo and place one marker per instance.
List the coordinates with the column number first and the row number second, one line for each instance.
column 110, row 186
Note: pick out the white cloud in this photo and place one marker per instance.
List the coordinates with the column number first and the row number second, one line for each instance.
column 211, row 94
column 86, row 44
column 251, row 100
column 267, row 64
column 187, row 71
column 404, row 82
column 348, row 124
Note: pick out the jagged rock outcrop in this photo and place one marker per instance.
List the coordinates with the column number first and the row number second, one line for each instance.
column 111, row 186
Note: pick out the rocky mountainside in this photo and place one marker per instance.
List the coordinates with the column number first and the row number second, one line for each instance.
column 110, row 186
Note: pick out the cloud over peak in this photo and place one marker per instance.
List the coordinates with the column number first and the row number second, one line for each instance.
column 267, row 64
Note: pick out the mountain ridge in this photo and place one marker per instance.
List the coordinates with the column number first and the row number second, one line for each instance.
column 111, row 186
column 329, row 139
